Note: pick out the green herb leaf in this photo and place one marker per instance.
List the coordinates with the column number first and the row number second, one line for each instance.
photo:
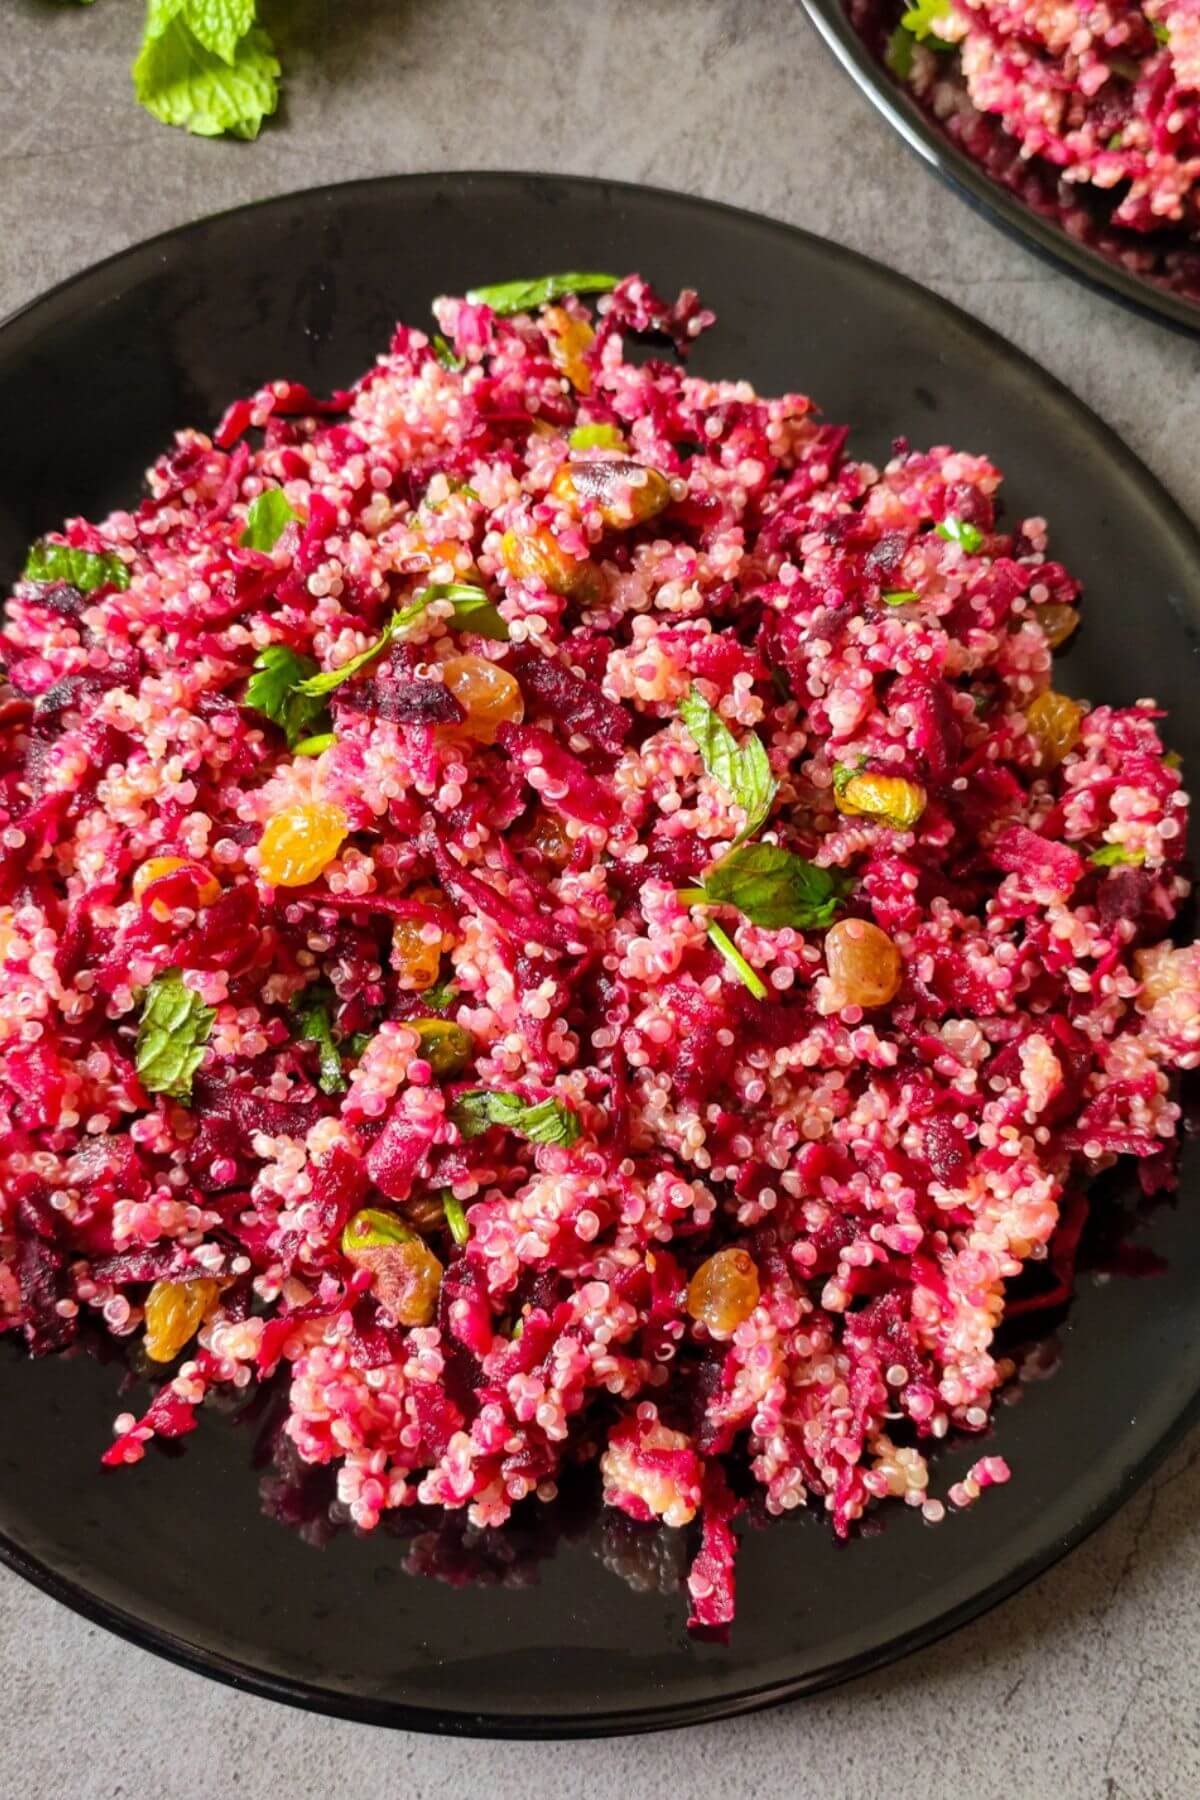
column 921, row 19
column 1116, row 856
column 86, row 570
column 1114, row 142
column 1161, row 33
column 446, row 354
column 509, row 297
column 737, row 962
column 741, row 768
column 958, row 531
column 219, row 25
column 312, row 1011
column 356, row 1043
column 316, row 745
column 544, row 1122
column 596, row 437
column 266, row 519
column 456, row 1218
column 473, row 611
column 441, row 998
column 276, row 689
column 900, row 597
column 183, row 82
column 899, row 53
column 172, row 1033
column 774, row 887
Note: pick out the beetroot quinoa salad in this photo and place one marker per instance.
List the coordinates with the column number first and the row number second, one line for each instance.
column 1089, row 114
column 567, row 921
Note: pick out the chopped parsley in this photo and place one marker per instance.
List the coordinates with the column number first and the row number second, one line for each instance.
column 276, row 689
column 473, row 611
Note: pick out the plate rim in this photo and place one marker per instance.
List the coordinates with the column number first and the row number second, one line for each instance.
column 981, row 193
column 670, row 1714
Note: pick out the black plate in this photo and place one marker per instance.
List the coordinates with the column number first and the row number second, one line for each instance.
column 1040, row 231
column 569, row 1631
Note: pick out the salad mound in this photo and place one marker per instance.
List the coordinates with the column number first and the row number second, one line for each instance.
column 551, row 910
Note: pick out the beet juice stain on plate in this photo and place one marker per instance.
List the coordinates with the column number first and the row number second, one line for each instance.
column 428, row 1622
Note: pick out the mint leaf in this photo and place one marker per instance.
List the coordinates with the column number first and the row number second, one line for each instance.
column 172, row 1033
column 219, row 24
column 1161, row 33
column 774, row 887
column 266, row 519
column 741, row 768
column 737, row 962
column 312, row 1012
column 900, row 597
column 509, row 297
column 473, row 611
column 183, row 82
column 958, row 531
column 276, row 689
column 456, row 1218
column 1116, row 856
column 86, row 570
column 543, row 1122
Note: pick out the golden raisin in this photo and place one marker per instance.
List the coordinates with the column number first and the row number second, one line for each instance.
column 1057, row 620
column 405, row 1274
column 208, row 888
column 1054, row 721
column 863, row 961
column 488, row 694
column 724, row 1291
column 536, row 554
column 416, row 961
column 570, row 339
column 445, row 1046
column 548, row 836
column 175, row 1311
column 889, row 798
column 624, row 493
column 300, row 842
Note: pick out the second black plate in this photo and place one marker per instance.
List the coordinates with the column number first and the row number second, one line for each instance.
column 574, row 1623
column 1102, row 264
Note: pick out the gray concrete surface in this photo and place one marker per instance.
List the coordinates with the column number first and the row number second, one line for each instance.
column 1085, row 1687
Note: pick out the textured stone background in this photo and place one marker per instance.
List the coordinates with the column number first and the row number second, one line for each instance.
column 1085, row 1686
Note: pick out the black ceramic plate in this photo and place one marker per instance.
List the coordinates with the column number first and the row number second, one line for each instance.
column 573, row 1624
column 1040, row 229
